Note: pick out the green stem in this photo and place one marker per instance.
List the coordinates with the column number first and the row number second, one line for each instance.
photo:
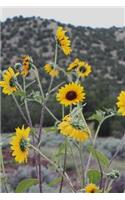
column 38, row 79
column 68, row 77
column 26, row 104
column 118, row 149
column 20, row 109
column 81, row 160
column 3, row 170
column 55, row 88
column 49, row 88
column 56, row 53
column 65, row 155
column 64, row 166
column 108, row 188
column 28, row 85
column 51, row 113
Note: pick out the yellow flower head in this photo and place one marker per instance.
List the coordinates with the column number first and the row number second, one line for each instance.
column 74, row 64
column 8, row 83
column 51, row 70
column 26, row 65
column 68, row 128
column 19, row 144
column 82, row 68
column 63, row 40
column 91, row 188
column 72, row 93
column 121, row 103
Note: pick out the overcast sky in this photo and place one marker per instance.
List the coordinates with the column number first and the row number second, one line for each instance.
column 83, row 16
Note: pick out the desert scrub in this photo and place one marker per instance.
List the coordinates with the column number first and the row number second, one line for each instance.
column 73, row 126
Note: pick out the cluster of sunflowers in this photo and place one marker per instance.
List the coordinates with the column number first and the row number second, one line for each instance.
column 70, row 95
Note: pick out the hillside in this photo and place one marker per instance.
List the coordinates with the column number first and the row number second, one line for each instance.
column 103, row 48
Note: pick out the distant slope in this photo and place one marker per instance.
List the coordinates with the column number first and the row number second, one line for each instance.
column 103, row 48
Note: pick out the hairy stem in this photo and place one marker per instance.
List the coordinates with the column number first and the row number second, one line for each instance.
column 3, row 171
column 81, row 160
column 26, row 104
column 20, row 110
column 64, row 166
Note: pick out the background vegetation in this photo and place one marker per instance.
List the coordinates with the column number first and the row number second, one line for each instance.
column 103, row 48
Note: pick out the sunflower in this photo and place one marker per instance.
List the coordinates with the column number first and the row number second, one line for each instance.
column 51, row 70
column 19, row 144
column 69, row 128
column 72, row 93
column 63, row 40
column 8, row 83
column 91, row 188
column 84, row 69
column 26, row 65
column 73, row 65
column 121, row 103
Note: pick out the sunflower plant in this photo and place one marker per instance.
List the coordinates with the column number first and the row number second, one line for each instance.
column 73, row 126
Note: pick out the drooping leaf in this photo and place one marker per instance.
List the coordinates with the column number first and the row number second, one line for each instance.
column 54, row 182
column 99, row 155
column 26, row 184
column 94, row 176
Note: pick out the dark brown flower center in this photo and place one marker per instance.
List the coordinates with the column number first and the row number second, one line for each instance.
column 12, row 82
column 71, row 95
column 93, row 191
column 82, row 69
column 23, row 144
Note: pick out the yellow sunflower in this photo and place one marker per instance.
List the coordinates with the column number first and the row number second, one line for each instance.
column 26, row 65
column 72, row 93
column 51, row 70
column 8, row 83
column 121, row 103
column 19, row 144
column 91, row 188
column 84, row 69
column 74, row 64
column 68, row 128
column 63, row 40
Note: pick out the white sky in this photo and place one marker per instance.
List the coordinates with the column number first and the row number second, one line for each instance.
column 84, row 16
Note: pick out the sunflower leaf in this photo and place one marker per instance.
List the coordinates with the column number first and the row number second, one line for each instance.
column 20, row 93
column 94, row 176
column 54, row 182
column 26, row 184
column 99, row 155
column 98, row 116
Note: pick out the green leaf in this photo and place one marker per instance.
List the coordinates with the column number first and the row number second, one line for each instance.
column 25, row 184
column 98, row 116
column 99, row 155
column 36, row 96
column 54, row 182
column 20, row 93
column 94, row 176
